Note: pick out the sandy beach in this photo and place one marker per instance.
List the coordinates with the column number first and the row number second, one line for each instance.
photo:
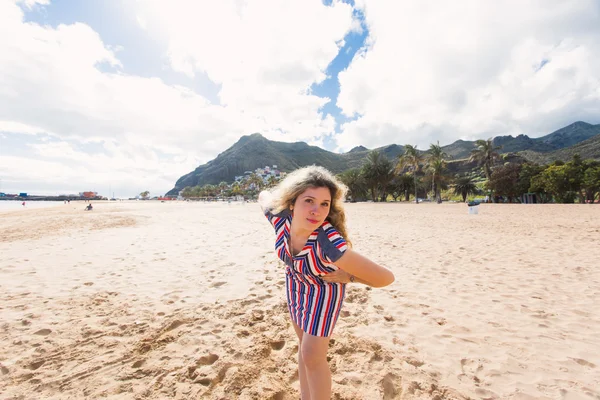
column 149, row 300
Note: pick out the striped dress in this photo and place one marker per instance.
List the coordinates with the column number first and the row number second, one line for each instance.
column 313, row 303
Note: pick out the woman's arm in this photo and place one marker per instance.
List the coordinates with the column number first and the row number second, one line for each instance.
column 341, row 276
column 264, row 199
column 365, row 270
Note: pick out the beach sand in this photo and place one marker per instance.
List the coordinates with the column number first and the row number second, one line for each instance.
column 149, row 300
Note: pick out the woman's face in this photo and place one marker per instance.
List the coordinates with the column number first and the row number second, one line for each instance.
column 312, row 207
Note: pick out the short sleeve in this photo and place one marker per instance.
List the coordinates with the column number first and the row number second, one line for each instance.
column 333, row 245
column 276, row 219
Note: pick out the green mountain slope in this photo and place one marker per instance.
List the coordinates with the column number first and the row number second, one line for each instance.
column 570, row 135
column 560, row 139
column 255, row 151
column 589, row 148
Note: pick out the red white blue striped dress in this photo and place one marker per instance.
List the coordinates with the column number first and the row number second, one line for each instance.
column 313, row 303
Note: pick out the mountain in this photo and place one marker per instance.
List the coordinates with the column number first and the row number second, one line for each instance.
column 560, row 139
column 570, row 135
column 459, row 149
column 255, row 151
column 358, row 149
column 589, row 148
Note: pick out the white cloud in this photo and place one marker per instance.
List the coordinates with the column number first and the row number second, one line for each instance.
column 10, row 126
column 265, row 55
column 445, row 70
column 30, row 4
column 429, row 71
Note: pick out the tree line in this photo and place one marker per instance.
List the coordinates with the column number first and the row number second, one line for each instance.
column 421, row 174
column 249, row 187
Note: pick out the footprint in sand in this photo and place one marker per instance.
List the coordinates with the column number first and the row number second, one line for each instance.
column 217, row 284
column 414, row 362
column 204, row 381
column 43, row 332
column 175, row 324
column 390, row 385
column 583, row 362
column 35, row 365
column 207, row 360
column 278, row 345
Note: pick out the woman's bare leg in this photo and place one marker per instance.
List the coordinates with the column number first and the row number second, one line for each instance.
column 304, row 390
column 314, row 357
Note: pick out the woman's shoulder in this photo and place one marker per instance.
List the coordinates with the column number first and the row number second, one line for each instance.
column 332, row 243
column 329, row 234
column 275, row 217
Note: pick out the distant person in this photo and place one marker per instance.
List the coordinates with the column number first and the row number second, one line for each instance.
column 89, row 207
column 23, row 204
column 306, row 210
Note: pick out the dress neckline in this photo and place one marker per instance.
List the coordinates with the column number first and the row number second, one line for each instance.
column 310, row 239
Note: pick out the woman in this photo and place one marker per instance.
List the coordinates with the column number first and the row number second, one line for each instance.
column 306, row 210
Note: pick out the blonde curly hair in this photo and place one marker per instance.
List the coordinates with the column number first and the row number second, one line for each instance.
column 287, row 191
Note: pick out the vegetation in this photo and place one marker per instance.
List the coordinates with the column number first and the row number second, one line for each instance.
column 379, row 180
column 357, row 187
column 411, row 160
column 465, row 186
column 255, row 151
column 400, row 172
column 436, row 165
column 485, row 155
column 144, row 195
column 560, row 182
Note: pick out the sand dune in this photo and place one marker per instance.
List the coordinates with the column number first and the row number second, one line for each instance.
column 151, row 300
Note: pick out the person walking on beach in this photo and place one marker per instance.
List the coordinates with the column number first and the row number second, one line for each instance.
column 306, row 210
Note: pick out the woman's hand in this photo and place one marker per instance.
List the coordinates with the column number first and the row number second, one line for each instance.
column 338, row 276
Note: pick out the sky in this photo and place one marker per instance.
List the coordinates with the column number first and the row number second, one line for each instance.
column 122, row 96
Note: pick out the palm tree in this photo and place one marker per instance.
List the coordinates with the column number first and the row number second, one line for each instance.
column 438, row 179
column 222, row 187
column 236, row 189
column 257, row 180
column 378, row 172
column 485, row 155
column 402, row 185
column 464, row 186
column 411, row 158
column 436, row 152
column 271, row 181
column 436, row 165
column 209, row 190
column 188, row 191
column 369, row 173
column 355, row 181
column 386, row 176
